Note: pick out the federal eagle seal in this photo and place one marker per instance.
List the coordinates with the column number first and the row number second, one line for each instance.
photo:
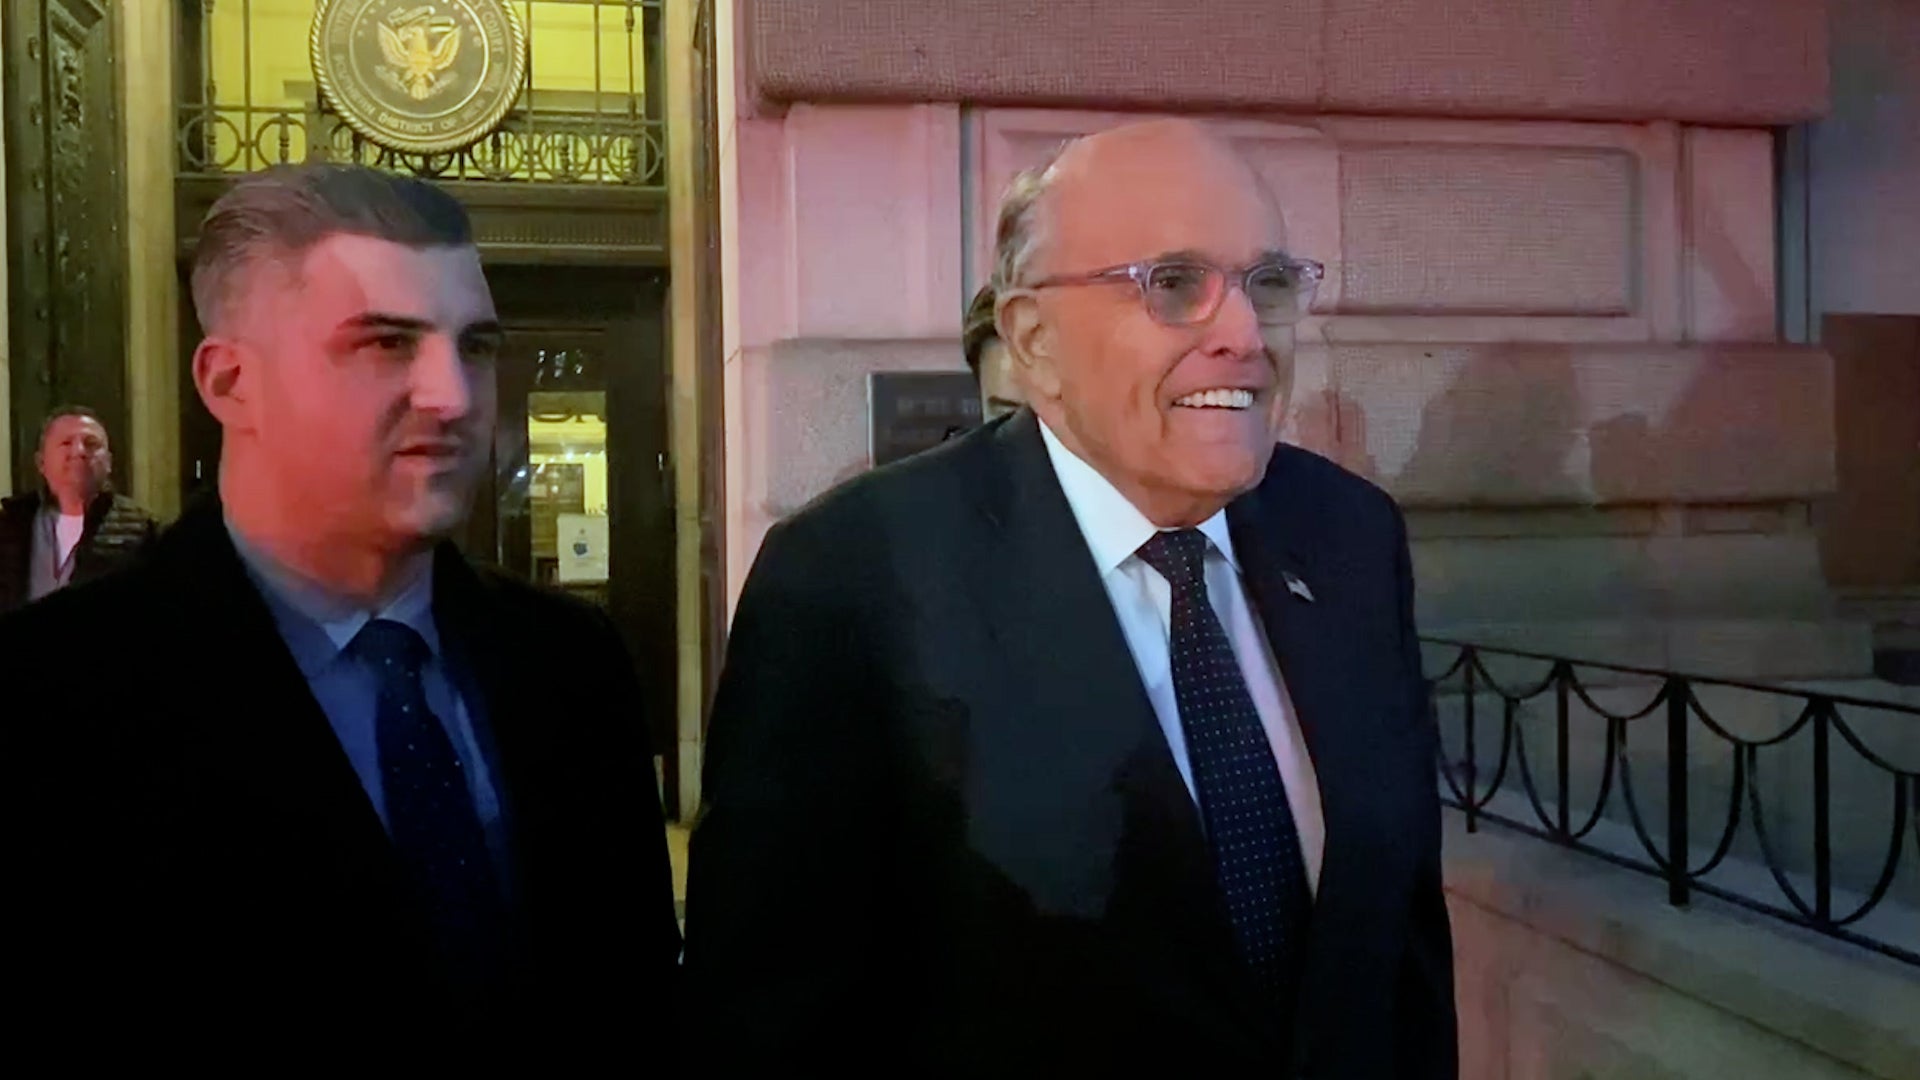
column 420, row 78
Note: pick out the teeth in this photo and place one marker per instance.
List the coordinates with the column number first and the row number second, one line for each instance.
column 1217, row 399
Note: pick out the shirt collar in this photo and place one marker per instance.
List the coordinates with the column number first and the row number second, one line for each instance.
column 318, row 624
column 1113, row 526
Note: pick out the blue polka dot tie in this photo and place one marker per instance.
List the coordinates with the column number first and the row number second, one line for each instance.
column 430, row 811
column 1256, row 848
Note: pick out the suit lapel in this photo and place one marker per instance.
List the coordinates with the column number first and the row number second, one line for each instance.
column 257, row 727
column 1274, row 539
column 1074, row 743
column 1277, row 565
column 1072, row 790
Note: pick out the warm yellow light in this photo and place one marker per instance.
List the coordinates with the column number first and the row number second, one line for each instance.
column 261, row 68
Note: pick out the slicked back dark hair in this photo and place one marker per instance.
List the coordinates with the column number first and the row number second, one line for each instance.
column 278, row 214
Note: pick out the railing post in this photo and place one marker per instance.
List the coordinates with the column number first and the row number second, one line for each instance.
column 1822, row 815
column 1679, row 694
column 1563, row 680
column 1469, row 662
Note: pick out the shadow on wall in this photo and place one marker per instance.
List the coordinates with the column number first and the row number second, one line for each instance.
column 1721, row 437
column 1334, row 426
column 1526, row 425
column 1566, row 451
column 1499, row 434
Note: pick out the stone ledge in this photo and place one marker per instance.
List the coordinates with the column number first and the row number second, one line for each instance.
column 1600, row 59
column 1843, row 1003
column 1762, row 650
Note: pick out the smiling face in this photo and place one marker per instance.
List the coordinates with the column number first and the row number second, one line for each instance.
column 364, row 382
column 1180, row 419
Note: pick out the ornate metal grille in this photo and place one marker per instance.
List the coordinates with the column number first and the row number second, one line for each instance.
column 590, row 111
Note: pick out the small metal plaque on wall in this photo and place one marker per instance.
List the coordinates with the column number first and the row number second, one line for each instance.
column 911, row 411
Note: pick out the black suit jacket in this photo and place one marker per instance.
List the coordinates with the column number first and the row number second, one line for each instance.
column 191, row 855
column 945, row 834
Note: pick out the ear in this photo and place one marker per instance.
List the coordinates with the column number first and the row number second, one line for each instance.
column 220, row 374
column 1030, row 341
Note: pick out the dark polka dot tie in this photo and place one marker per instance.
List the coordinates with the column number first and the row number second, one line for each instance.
column 430, row 810
column 1256, row 849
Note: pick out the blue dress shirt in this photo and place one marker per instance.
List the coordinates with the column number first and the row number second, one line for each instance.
column 317, row 628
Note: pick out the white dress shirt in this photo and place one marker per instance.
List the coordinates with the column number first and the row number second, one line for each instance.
column 68, row 528
column 1114, row 529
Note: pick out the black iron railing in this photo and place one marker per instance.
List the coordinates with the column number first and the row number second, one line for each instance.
column 531, row 146
column 1804, row 893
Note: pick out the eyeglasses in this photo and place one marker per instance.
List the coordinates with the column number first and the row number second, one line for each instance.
column 1185, row 292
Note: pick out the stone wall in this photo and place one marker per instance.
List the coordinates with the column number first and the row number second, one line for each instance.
column 6, row 376
column 1551, row 341
column 1750, row 62
column 1568, row 967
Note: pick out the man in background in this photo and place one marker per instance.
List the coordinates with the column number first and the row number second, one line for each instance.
column 348, row 793
column 1000, row 392
column 74, row 529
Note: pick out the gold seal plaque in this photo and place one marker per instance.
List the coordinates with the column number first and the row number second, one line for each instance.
column 420, row 78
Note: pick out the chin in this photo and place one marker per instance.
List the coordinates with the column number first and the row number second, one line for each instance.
column 1231, row 471
column 431, row 517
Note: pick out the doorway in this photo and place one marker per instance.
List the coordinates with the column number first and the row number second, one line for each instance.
column 66, row 251
column 581, row 496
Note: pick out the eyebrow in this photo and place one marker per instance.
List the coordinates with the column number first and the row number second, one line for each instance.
column 380, row 320
column 1265, row 255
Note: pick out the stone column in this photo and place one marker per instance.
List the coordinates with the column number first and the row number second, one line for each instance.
column 152, row 443
column 683, row 406
column 6, row 384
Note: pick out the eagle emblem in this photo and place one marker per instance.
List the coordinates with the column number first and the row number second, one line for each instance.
column 419, row 76
column 416, row 62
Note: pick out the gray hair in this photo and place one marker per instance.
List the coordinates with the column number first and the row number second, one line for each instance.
column 278, row 214
column 61, row 412
column 1022, row 227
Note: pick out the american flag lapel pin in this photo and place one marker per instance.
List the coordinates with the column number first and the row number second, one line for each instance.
column 1297, row 587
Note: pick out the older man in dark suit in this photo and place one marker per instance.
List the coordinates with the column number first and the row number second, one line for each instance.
column 344, row 790
column 1097, row 739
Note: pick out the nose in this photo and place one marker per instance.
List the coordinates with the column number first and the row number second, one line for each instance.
column 441, row 381
column 1235, row 329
